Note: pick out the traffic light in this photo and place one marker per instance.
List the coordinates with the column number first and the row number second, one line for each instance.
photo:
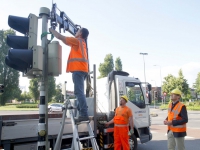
column 25, row 55
column 1, row 89
column 155, row 94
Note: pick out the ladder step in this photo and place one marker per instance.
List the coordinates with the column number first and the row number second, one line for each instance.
column 82, row 122
column 85, row 138
column 71, row 107
column 88, row 148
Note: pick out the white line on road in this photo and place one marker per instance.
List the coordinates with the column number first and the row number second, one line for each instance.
column 187, row 137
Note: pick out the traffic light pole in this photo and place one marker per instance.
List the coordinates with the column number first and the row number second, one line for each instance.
column 43, row 110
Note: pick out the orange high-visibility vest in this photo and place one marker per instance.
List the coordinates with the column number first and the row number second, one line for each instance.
column 78, row 59
column 121, row 115
column 173, row 115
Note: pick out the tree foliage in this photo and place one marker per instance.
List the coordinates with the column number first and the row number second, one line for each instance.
column 107, row 66
column 118, row 64
column 197, row 84
column 8, row 76
column 51, row 87
column 25, row 96
column 171, row 82
column 59, row 97
column 34, row 88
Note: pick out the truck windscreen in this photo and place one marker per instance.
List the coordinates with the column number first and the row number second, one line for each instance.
column 135, row 94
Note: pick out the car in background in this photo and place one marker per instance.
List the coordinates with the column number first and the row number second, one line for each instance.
column 55, row 107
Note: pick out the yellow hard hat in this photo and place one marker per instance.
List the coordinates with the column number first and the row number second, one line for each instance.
column 124, row 97
column 176, row 91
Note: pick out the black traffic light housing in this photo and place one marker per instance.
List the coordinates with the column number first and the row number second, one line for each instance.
column 155, row 94
column 25, row 55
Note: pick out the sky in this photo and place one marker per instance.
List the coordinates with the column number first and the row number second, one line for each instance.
column 167, row 30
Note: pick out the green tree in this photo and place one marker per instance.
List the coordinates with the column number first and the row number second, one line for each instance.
column 118, row 64
column 183, row 85
column 34, row 89
column 58, row 96
column 171, row 82
column 197, row 84
column 51, row 88
column 24, row 96
column 107, row 66
column 8, row 76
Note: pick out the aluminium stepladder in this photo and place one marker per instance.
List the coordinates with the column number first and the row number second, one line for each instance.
column 76, row 145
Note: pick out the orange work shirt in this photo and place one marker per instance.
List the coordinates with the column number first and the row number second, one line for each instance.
column 122, row 115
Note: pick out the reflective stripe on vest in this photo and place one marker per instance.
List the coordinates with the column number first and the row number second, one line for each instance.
column 173, row 115
column 78, row 59
column 83, row 59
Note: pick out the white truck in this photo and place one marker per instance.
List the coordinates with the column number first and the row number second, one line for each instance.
column 20, row 132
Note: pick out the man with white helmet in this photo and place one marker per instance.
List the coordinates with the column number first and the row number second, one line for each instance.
column 176, row 122
column 123, row 118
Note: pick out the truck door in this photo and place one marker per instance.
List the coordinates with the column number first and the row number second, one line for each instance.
column 134, row 92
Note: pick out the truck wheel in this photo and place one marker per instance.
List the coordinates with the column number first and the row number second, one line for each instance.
column 133, row 142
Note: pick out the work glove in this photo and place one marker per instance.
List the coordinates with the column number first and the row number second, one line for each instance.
column 131, row 132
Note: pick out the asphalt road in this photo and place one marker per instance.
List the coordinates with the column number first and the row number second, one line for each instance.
column 159, row 141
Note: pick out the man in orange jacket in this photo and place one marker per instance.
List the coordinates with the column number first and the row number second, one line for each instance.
column 176, row 122
column 123, row 118
column 77, row 64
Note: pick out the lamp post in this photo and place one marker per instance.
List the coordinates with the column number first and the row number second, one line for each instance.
column 144, row 68
column 154, row 94
column 160, row 83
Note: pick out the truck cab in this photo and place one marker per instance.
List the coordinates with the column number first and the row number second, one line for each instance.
column 119, row 83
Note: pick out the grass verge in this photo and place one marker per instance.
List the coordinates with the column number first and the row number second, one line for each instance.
column 13, row 107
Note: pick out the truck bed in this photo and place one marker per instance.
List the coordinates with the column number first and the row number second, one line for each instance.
column 26, row 126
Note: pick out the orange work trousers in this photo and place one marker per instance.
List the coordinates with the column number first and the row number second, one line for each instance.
column 121, row 138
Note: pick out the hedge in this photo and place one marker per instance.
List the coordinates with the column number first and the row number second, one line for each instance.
column 27, row 106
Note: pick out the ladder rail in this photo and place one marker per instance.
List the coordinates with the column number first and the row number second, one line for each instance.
column 75, row 142
column 93, row 140
column 59, row 137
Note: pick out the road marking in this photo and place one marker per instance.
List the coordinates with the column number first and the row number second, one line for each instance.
column 193, row 128
column 186, row 137
column 189, row 137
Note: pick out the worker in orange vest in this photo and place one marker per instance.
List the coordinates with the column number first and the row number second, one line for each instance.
column 77, row 64
column 123, row 118
column 176, row 122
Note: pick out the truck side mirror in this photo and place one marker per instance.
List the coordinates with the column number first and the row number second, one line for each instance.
column 149, row 93
column 149, row 87
column 149, row 97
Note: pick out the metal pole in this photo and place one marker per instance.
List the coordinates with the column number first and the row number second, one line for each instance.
column 65, row 94
column 161, row 85
column 144, row 71
column 95, row 121
column 43, row 111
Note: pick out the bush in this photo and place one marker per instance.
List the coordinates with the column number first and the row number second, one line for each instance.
column 189, row 106
column 8, row 104
column 27, row 106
